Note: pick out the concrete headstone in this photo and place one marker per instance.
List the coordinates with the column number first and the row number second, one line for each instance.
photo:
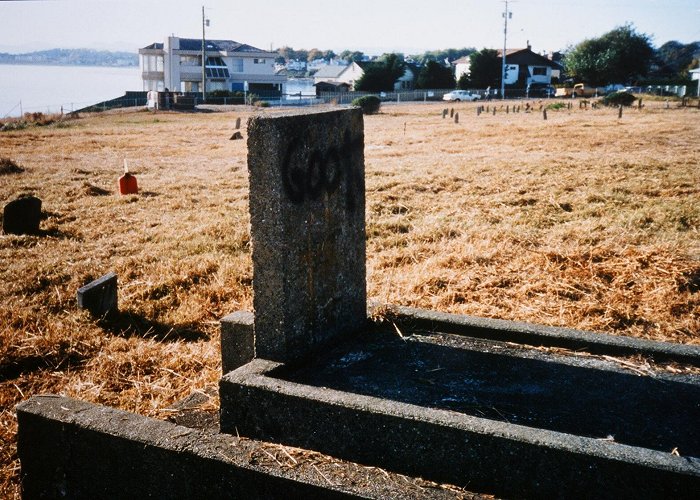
column 99, row 296
column 22, row 216
column 307, row 211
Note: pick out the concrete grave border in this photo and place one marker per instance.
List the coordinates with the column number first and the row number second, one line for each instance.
column 444, row 446
column 74, row 449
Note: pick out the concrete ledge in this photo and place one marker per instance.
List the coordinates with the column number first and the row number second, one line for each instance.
column 446, row 446
column 538, row 335
column 73, row 449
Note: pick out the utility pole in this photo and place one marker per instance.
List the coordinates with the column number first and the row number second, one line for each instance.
column 506, row 15
column 205, row 22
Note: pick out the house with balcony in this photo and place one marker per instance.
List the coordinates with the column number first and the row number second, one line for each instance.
column 176, row 65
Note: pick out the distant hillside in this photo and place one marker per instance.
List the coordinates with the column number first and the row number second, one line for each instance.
column 73, row 57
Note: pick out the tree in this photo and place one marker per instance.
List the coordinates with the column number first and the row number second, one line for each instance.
column 673, row 59
column 441, row 55
column 381, row 75
column 314, row 54
column 290, row 54
column 485, row 69
column 352, row 56
column 619, row 56
column 463, row 83
column 435, row 76
column 328, row 55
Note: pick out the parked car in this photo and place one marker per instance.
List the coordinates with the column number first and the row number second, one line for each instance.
column 460, row 95
column 580, row 90
column 540, row 90
column 614, row 87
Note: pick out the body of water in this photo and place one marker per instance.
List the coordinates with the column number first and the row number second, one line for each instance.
column 303, row 85
column 48, row 88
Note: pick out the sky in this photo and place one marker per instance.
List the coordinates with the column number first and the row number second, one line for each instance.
column 370, row 26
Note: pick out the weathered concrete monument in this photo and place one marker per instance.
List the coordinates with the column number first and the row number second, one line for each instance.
column 307, row 209
column 453, row 399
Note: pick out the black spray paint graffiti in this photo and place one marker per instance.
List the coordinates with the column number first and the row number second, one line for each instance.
column 308, row 174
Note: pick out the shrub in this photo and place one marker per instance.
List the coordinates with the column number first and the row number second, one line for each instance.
column 261, row 104
column 14, row 125
column 556, row 106
column 369, row 103
column 619, row 99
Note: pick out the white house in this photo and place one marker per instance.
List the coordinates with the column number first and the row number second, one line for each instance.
column 332, row 74
column 523, row 67
column 406, row 81
column 177, row 65
column 695, row 76
column 462, row 67
column 336, row 74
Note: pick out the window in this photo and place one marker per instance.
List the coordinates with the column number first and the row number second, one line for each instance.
column 216, row 68
column 152, row 63
column 539, row 71
column 258, row 61
column 190, row 60
column 237, row 65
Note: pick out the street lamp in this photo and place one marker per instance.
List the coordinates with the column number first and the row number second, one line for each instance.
column 506, row 15
column 205, row 22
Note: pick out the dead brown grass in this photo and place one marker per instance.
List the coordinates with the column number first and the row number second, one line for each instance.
column 582, row 220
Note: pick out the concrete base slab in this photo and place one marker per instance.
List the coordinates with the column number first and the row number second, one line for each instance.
column 496, row 416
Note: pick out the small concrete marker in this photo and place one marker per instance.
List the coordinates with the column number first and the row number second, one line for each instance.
column 494, row 111
column 22, row 216
column 544, row 113
column 456, row 117
column 639, row 103
column 238, row 123
column 444, row 113
column 619, row 112
column 237, row 340
column 99, row 296
column 452, row 112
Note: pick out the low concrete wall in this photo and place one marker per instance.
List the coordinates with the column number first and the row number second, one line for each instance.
column 538, row 335
column 73, row 449
column 445, row 446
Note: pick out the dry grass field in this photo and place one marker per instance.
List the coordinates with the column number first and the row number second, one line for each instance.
column 583, row 220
